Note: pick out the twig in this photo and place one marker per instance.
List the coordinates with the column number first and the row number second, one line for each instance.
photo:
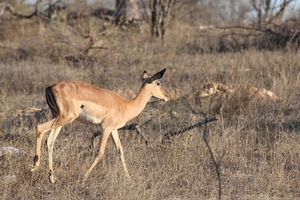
column 83, row 54
column 166, row 136
column 217, row 165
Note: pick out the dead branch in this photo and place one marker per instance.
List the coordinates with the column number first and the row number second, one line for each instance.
column 83, row 54
column 91, row 46
column 166, row 136
column 265, row 35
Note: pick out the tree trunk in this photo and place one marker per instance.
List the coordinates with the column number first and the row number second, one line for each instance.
column 132, row 11
column 127, row 11
column 160, row 14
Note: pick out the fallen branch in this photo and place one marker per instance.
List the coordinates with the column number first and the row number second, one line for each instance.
column 166, row 136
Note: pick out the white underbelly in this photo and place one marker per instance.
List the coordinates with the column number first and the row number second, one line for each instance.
column 87, row 119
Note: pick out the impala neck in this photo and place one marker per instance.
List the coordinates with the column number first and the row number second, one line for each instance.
column 137, row 105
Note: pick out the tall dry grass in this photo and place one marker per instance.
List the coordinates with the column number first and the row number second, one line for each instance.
column 255, row 142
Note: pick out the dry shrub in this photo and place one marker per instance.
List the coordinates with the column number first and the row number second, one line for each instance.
column 267, row 36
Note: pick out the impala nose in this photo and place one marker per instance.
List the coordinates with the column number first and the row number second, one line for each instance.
column 167, row 97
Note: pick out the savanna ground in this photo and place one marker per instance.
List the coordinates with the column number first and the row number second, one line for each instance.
column 255, row 142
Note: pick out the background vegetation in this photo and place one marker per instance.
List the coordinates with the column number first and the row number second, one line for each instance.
column 255, row 143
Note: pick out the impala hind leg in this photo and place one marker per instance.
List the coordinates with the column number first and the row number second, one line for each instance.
column 50, row 143
column 118, row 144
column 103, row 141
column 41, row 129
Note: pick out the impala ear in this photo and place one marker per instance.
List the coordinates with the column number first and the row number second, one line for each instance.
column 158, row 75
column 145, row 75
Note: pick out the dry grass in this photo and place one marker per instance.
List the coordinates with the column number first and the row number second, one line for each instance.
column 255, row 142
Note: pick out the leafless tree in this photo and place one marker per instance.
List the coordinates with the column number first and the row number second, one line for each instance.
column 268, row 10
column 160, row 15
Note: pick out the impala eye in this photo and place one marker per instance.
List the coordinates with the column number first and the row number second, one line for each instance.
column 158, row 83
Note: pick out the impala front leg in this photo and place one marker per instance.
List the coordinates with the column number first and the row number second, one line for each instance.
column 103, row 142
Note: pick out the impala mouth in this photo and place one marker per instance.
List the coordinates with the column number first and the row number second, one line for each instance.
column 166, row 98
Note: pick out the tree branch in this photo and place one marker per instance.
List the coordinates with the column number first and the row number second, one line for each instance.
column 166, row 136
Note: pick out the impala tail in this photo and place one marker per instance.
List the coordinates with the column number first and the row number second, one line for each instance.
column 50, row 98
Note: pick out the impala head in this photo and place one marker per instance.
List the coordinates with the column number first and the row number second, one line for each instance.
column 153, row 85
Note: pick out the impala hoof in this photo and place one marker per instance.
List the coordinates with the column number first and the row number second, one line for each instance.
column 128, row 176
column 52, row 179
column 84, row 177
column 33, row 169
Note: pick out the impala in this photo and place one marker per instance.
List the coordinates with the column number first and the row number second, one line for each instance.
column 69, row 101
